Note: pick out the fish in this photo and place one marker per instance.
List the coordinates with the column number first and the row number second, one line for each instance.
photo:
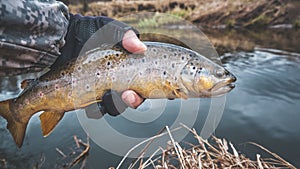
column 163, row 71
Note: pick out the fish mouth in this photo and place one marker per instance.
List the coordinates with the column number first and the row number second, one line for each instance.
column 223, row 87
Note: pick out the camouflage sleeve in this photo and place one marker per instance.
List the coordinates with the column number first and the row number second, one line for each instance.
column 31, row 34
column 85, row 28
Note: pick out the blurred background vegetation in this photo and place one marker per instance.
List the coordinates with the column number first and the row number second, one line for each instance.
column 207, row 13
column 229, row 24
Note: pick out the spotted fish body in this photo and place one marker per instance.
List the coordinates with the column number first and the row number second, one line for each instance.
column 163, row 71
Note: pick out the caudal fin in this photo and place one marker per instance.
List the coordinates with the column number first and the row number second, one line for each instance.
column 17, row 129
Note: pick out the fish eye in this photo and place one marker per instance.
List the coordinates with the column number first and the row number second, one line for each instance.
column 220, row 73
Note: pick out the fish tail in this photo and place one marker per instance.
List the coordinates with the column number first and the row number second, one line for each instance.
column 16, row 128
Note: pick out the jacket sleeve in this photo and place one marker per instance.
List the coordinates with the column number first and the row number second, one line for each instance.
column 85, row 33
column 97, row 31
column 31, row 34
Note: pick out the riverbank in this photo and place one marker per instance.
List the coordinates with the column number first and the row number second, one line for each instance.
column 207, row 14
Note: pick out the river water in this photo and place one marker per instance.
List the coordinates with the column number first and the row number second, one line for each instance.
column 263, row 108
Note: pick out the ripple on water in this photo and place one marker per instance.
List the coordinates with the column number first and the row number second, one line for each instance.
column 265, row 103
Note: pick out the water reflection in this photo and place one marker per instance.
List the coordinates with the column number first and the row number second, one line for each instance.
column 263, row 108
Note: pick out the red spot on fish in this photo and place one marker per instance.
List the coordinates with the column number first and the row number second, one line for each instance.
column 56, row 86
column 41, row 94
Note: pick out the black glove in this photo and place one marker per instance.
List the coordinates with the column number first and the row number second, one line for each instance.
column 111, row 104
column 80, row 30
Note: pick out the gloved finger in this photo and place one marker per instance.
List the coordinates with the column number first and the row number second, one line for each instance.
column 93, row 111
column 112, row 103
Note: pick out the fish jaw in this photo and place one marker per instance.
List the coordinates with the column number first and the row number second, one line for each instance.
column 203, row 78
column 222, row 87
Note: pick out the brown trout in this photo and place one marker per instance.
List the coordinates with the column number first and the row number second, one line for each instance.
column 163, row 71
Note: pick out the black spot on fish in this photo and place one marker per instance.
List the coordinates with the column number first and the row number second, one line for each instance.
column 164, row 72
column 143, row 60
column 192, row 63
column 194, row 67
column 165, row 56
column 156, row 62
column 173, row 65
column 182, row 58
column 108, row 63
column 62, row 73
column 199, row 71
column 117, row 55
column 87, row 87
column 79, row 68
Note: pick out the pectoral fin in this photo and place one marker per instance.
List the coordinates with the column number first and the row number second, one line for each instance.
column 180, row 94
column 177, row 92
column 89, row 103
column 49, row 120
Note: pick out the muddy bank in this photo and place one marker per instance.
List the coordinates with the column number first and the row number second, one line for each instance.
column 233, row 40
column 247, row 40
column 230, row 25
column 208, row 13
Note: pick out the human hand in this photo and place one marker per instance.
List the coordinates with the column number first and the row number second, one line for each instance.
column 132, row 43
column 80, row 30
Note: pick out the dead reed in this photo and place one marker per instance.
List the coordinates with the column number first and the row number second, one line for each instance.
column 214, row 154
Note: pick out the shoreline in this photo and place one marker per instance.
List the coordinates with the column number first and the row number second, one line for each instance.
column 216, row 14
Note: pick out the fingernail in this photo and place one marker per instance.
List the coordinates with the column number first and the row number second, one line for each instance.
column 142, row 46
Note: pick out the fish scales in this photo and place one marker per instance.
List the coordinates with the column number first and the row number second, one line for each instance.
column 163, row 71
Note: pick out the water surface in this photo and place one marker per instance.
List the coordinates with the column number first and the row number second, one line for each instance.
column 263, row 108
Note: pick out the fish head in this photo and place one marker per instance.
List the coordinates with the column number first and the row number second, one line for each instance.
column 204, row 78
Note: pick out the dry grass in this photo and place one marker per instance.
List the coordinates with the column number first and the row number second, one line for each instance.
column 208, row 13
column 77, row 156
column 218, row 153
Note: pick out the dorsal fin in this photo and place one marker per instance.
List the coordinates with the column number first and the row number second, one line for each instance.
column 27, row 82
column 49, row 120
